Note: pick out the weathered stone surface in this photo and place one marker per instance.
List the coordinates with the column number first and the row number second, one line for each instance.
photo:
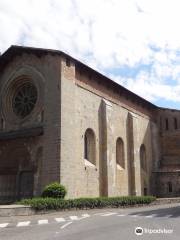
column 71, row 99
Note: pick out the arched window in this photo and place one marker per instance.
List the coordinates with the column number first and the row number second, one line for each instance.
column 175, row 123
column 169, row 187
column 143, row 157
column 120, row 153
column 145, row 189
column 89, row 146
column 167, row 124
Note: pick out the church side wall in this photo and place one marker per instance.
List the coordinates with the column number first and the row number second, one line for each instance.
column 83, row 109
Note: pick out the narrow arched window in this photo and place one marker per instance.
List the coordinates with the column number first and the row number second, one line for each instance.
column 169, row 187
column 143, row 157
column 120, row 153
column 175, row 123
column 89, row 146
column 167, row 124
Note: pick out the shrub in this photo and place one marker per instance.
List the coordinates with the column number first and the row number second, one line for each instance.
column 86, row 203
column 54, row 190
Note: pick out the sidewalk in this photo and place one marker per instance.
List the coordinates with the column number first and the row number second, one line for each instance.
column 23, row 210
column 15, row 210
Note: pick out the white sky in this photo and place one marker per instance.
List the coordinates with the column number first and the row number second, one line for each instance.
column 109, row 35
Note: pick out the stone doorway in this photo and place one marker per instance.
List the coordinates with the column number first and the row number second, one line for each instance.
column 26, row 184
column 16, row 170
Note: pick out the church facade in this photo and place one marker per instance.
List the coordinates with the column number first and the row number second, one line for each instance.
column 62, row 121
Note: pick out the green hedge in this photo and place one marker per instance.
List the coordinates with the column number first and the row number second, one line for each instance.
column 54, row 190
column 86, row 203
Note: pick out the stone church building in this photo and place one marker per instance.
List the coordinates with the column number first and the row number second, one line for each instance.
column 62, row 121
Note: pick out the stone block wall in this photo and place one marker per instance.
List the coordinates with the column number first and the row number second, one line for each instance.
column 167, row 171
column 44, row 70
column 84, row 106
column 71, row 99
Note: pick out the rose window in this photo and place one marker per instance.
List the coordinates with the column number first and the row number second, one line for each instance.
column 24, row 100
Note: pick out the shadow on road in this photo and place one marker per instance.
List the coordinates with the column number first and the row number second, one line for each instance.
column 171, row 212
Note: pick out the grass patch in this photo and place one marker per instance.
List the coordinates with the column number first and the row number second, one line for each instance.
column 86, row 203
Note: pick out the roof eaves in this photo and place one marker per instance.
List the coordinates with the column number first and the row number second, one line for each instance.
column 17, row 50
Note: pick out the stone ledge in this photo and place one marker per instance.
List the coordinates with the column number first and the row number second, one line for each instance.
column 160, row 201
column 15, row 210
column 22, row 133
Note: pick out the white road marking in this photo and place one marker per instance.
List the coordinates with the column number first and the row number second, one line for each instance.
column 65, row 225
column 60, row 220
column 85, row 215
column 23, row 224
column 44, row 221
column 97, row 214
column 135, row 216
column 121, row 215
column 108, row 214
column 74, row 218
column 150, row 216
column 3, row 225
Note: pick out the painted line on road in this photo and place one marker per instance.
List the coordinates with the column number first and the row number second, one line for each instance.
column 60, row 220
column 74, row 218
column 108, row 214
column 65, row 225
column 167, row 216
column 99, row 214
column 134, row 216
column 23, row 224
column 150, row 216
column 121, row 215
column 44, row 221
column 85, row 215
column 3, row 225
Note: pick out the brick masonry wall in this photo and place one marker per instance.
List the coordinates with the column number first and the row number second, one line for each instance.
column 47, row 147
column 168, row 167
column 81, row 108
column 72, row 102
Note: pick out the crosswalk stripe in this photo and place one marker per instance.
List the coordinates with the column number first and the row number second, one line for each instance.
column 3, row 225
column 44, row 221
column 60, row 220
column 73, row 217
column 108, row 214
column 121, row 215
column 150, row 216
column 23, row 224
column 85, row 215
column 97, row 214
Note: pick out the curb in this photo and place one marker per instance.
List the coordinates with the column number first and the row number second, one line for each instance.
column 24, row 210
column 16, row 210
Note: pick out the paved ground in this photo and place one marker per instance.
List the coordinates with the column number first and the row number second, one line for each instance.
column 156, row 222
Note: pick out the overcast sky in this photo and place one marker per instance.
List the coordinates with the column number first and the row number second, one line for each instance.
column 134, row 42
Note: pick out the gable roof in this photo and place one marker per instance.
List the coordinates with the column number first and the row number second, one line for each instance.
column 16, row 50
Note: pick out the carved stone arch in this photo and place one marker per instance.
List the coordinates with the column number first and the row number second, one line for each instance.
column 90, row 146
column 120, row 161
column 143, row 160
column 24, row 80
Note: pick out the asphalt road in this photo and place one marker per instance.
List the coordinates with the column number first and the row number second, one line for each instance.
column 157, row 222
